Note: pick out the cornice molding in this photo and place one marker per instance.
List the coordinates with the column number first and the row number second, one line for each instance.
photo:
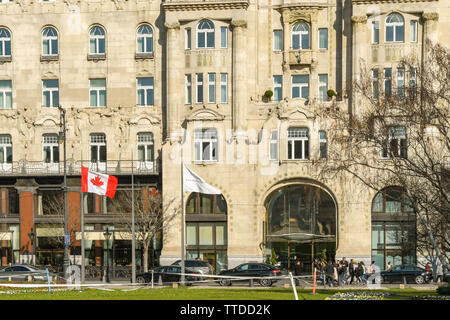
column 356, row 2
column 183, row 5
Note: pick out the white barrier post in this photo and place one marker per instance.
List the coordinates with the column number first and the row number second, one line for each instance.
column 293, row 285
column 48, row 281
column 152, row 277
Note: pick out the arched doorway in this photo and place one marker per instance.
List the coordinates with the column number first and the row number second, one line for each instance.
column 393, row 228
column 300, row 225
column 206, row 229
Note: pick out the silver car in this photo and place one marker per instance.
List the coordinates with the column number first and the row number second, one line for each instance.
column 200, row 266
column 21, row 272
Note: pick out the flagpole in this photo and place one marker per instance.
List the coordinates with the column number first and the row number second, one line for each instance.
column 82, row 239
column 133, row 236
column 182, row 218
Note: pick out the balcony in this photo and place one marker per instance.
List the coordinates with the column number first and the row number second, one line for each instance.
column 301, row 57
column 392, row 52
column 114, row 167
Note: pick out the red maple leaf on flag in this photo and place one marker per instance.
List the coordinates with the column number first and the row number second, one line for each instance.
column 97, row 181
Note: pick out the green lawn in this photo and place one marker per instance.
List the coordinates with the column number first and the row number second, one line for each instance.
column 190, row 293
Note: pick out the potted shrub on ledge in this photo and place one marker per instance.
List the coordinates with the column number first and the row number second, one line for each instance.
column 331, row 94
column 267, row 95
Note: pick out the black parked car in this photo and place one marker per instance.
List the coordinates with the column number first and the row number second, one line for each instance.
column 410, row 272
column 260, row 270
column 447, row 277
column 167, row 274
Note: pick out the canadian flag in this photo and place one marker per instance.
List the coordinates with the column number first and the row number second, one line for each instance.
column 98, row 183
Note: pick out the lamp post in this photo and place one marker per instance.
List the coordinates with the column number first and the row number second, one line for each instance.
column 107, row 235
column 32, row 236
column 62, row 137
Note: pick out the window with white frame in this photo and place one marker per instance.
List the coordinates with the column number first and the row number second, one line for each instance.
column 277, row 88
column 5, row 148
column 323, row 145
column 144, row 39
column 387, row 82
column 97, row 40
column 395, row 28
column 300, row 86
column 145, row 91
column 300, row 36
column 199, row 84
column 188, row 39
column 5, row 43
column 298, row 144
column 396, row 145
column 205, row 34
column 412, row 82
column 98, row 147
column 223, row 88
column 5, row 94
column 50, row 148
column 277, row 40
column 211, row 88
column 223, row 37
column 49, row 42
column 273, row 152
column 5, row 1
column 205, row 145
column 188, row 84
column 50, row 93
column 375, row 32
column 413, row 28
column 375, row 83
column 145, row 147
column 97, row 92
column 400, row 83
column 323, row 87
column 323, row 39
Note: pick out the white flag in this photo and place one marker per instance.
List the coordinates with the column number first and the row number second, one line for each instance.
column 193, row 183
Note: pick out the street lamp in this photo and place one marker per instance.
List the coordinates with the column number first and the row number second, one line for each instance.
column 62, row 138
column 32, row 236
column 107, row 235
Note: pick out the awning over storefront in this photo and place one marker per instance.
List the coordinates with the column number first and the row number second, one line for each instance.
column 98, row 235
column 302, row 237
column 49, row 232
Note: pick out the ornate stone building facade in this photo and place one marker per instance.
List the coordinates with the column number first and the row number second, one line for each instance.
column 141, row 80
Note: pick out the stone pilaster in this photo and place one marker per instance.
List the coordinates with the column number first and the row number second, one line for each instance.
column 286, row 46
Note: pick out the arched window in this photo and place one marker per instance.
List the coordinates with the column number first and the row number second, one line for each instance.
column 205, row 34
column 49, row 42
column 97, row 40
column 206, row 229
column 300, row 36
column 395, row 28
column 393, row 228
column 5, row 43
column 144, row 39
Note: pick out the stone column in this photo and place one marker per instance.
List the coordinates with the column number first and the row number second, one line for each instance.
column 239, row 75
column 360, row 41
column 174, row 69
column 314, row 77
column 430, row 31
column 286, row 48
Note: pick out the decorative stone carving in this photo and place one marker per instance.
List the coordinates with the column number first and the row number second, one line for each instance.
column 172, row 25
column 359, row 19
column 205, row 114
column 430, row 16
column 239, row 23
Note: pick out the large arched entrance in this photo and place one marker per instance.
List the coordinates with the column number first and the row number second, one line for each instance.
column 300, row 225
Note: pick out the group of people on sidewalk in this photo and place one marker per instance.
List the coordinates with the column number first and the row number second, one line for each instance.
column 342, row 272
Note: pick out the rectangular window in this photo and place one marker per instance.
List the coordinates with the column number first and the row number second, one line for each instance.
column 199, row 87
column 396, row 146
column 145, row 147
column 50, row 93
column 5, row 94
column 412, row 82
column 211, row 88
column 223, row 88
column 298, row 144
column 300, row 86
column 50, row 148
column 375, row 32
column 145, row 92
column 413, row 29
column 277, row 88
column 223, row 37
column 188, row 82
column 387, row 82
column 375, row 83
column 97, row 92
column 188, row 37
column 5, row 148
column 323, row 39
column 273, row 145
column 98, row 147
column 205, row 145
column 277, row 40
column 323, row 87
column 323, row 145
column 401, row 83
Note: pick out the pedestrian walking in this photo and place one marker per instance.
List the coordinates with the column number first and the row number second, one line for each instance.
column 389, row 266
column 297, row 270
column 363, row 273
column 329, row 269
column 352, row 270
column 335, row 273
column 439, row 271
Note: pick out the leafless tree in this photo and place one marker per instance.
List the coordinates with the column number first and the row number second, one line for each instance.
column 397, row 134
column 152, row 216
